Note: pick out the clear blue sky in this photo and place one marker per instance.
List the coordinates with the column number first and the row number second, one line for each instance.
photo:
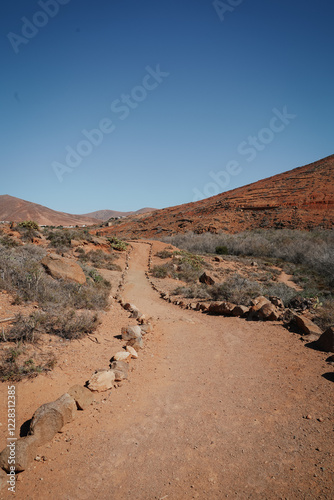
column 228, row 69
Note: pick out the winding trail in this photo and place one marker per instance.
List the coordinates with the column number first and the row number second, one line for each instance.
column 214, row 408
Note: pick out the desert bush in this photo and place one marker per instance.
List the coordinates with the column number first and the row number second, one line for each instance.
column 22, row 274
column 29, row 224
column 164, row 254
column 7, row 241
column 13, row 369
column 163, row 271
column 69, row 325
column 312, row 249
column 221, row 250
column 100, row 259
column 193, row 291
column 117, row 244
column 61, row 239
column 236, row 289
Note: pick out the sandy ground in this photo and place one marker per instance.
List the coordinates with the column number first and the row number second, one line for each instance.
column 214, row 408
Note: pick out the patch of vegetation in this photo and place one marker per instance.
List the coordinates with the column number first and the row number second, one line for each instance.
column 69, row 325
column 28, row 230
column 117, row 244
column 99, row 259
column 13, row 369
column 221, row 250
column 164, row 254
column 60, row 239
column 29, row 224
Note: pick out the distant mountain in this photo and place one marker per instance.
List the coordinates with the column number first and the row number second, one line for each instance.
column 302, row 198
column 17, row 210
column 108, row 214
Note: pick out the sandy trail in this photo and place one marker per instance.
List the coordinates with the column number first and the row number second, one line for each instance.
column 214, row 408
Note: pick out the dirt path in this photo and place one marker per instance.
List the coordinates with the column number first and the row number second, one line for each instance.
column 214, row 408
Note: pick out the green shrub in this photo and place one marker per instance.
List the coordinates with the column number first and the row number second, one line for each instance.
column 117, row 244
column 222, row 250
column 29, row 224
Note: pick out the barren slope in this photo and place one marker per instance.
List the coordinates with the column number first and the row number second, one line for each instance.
column 17, row 210
column 302, row 198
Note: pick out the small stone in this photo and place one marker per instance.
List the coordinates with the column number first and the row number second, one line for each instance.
column 101, row 381
column 309, row 417
column 121, row 356
column 132, row 351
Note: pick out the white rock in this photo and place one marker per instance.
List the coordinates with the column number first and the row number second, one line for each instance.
column 121, row 356
column 102, row 381
column 132, row 351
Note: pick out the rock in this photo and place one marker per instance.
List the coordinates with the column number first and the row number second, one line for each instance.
column 137, row 344
column 217, row 259
column 49, row 418
column 132, row 351
column 25, row 452
column 254, row 264
column 203, row 306
column 136, row 314
column 120, row 366
column 82, row 396
column 330, row 360
column 240, row 310
column 306, row 325
column 3, row 480
column 131, row 332
column 258, row 302
column 326, row 340
column 63, row 268
column 129, row 307
column 121, row 370
column 101, row 381
column 277, row 302
column 221, row 309
column 206, row 279
column 121, row 356
column 268, row 312
column 147, row 328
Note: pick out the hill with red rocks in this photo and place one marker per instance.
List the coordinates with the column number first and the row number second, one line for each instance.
column 17, row 210
column 302, row 198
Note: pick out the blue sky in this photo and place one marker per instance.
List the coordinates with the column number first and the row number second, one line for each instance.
column 192, row 97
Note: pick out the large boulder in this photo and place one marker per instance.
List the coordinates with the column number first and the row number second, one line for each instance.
column 240, row 310
column 268, row 312
column 24, row 451
column 63, row 268
column 221, row 308
column 326, row 340
column 82, row 396
column 306, row 325
column 49, row 418
column 206, row 279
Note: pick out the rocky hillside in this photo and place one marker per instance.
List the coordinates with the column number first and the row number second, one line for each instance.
column 17, row 210
column 108, row 214
column 302, row 198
